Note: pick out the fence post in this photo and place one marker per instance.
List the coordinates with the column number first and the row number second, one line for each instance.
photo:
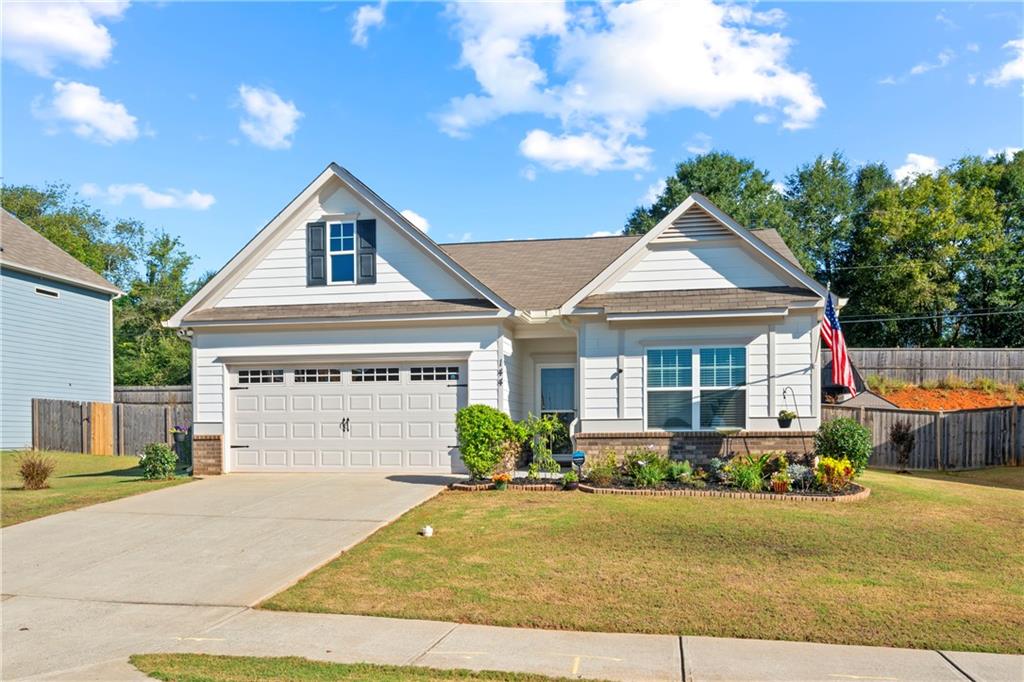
column 167, row 426
column 938, row 439
column 119, row 431
column 35, row 423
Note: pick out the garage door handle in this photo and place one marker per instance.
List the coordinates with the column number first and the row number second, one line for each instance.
column 458, row 385
column 239, row 388
column 239, row 446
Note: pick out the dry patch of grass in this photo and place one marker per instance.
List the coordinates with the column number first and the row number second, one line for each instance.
column 77, row 481
column 922, row 563
column 205, row 668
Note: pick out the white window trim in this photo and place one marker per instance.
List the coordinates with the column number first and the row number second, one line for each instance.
column 353, row 252
column 695, row 387
column 575, row 385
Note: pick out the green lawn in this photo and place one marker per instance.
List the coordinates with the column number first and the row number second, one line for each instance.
column 927, row 562
column 79, row 480
column 205, row 668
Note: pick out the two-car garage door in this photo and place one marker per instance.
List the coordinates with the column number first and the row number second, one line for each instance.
column 325, row 417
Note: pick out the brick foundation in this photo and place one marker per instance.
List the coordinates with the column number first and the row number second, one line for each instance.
column 206, row 455
column 700, row 446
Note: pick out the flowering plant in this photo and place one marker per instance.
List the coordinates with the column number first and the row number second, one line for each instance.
column 180, row 428
column 833, row 474
column 501, row 480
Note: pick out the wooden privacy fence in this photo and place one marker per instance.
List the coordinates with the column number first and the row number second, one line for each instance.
column 153, row 395
column 917, row 365
column 104, row 428
column 961, row 439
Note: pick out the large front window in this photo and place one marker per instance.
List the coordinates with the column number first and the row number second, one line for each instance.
column 341, row 252
column 694, row 389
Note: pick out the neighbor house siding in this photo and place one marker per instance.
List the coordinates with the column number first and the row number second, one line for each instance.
column 405, row 272
column 49, row 348
column 477, row 343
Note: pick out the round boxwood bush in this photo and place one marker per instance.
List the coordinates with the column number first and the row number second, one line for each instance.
column 483, row 434
column 158, row 461
column 844, row 438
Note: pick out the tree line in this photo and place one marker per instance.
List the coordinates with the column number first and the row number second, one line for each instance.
column 151, row 267
column 935, row 260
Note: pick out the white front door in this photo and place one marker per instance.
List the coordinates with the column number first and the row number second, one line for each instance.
column 398, row 416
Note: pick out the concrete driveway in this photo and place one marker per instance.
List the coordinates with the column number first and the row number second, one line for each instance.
column 221, row 541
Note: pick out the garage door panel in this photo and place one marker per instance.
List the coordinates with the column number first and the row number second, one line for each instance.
column 341, row 424
column 303, row 403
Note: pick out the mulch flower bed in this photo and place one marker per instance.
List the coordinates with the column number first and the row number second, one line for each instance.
column 851, row 493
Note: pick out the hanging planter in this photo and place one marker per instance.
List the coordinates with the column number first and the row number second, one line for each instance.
column 786, row 418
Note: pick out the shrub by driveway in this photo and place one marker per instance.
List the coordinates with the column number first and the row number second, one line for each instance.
column 923, row 562
column 78, row 480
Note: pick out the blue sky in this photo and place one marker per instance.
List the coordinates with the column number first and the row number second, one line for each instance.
column 489, row 121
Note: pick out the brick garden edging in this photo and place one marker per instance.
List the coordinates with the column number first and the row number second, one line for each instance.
column 529, row 487
column 688, row 492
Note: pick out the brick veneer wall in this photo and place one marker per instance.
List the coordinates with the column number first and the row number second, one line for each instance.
column 206, row 455
column 698, row 447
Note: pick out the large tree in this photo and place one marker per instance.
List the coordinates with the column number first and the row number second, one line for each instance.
column 820, row 199
column 736, row 186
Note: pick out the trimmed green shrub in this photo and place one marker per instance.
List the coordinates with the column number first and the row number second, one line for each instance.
column 844, row 438
column 483, row 434
column 158, row 461
column 35, row 470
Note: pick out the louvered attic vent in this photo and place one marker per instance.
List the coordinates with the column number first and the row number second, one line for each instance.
column 694, row 225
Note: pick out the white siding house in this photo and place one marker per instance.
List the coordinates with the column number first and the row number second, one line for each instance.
column 342, row 337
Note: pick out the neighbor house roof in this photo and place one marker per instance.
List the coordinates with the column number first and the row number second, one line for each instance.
column 538, row 274
column 312, row 311
column 24, row 249
column 700, row 300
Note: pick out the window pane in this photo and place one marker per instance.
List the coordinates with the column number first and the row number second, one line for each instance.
column 335, row 230
column 723, row 366
column 723, row 408
column 335, row 243
column 347, row 243
column 348, row 229
column 669, row 368
column 670, row 410
column 556, row 388
column 343, row 268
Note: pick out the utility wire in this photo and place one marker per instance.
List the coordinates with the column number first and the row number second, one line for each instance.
column 932, row 317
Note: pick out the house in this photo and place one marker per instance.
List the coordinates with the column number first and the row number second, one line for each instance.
column 56, row 329
column 341, row 337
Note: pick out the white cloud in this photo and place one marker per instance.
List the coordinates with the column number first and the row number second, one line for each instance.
column 466, row 236
column 914, row 165
column 365, row 18
column 763, row 118
column 39, row 35
column 89, row 114
column 150, row 198
column 991, row 153
column 699, row 144
column 1011, row 70
column 601, row 100
column 528, row 173
column 942, row 60
column 653, row 192
column 779, row 187
column 270, row 121
column 972, row 78
column 416, row 219
column 944, row 20
column 603, row 233
column 587, row 151
column 973, row 47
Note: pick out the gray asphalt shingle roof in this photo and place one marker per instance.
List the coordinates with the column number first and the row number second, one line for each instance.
column 339, row 310
column 700, row 300
column 22, row 248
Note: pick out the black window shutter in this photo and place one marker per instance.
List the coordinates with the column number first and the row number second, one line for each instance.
column 366, row 230
column 316, row 256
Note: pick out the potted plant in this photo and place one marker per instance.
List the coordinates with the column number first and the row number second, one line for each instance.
column 786, row 418
column 180, row 434
column 501, row 480
column 570, row 481
column 781, row 482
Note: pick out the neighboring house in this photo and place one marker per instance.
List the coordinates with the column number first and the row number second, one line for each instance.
column 342, row 337
column 55, row 329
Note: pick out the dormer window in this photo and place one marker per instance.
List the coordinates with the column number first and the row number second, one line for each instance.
column 341, row 251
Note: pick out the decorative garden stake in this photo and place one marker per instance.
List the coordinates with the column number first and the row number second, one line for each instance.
column 427, row 531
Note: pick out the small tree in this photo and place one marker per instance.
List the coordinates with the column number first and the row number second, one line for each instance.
column 484, row 434
column 541, row 433
column 902, row 438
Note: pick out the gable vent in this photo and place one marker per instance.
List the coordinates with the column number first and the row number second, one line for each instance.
column 693, row 226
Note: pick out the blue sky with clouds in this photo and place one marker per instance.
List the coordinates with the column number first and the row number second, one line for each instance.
column 489, row 121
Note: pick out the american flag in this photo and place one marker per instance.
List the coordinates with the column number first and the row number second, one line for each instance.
column 832, row 335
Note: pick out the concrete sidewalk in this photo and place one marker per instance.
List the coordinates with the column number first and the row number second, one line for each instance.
column 88, row 640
